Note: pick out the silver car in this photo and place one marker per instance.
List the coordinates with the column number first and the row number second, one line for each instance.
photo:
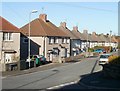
column 104, row 59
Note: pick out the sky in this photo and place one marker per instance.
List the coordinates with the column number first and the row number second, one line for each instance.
column 100, row 17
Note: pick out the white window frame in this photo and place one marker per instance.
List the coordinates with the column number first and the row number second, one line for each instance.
column 68, row 40
column 63, row 40
column 56, row 40
column 51, row 40
column 7, row 36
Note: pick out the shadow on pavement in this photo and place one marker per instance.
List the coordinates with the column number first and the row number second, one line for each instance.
column 98, row 80
column 94, row 81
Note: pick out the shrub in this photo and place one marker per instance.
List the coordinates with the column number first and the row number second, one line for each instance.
column 91, row 49
column 114, row 59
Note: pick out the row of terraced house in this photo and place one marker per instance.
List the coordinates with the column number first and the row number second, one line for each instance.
column 55, row 43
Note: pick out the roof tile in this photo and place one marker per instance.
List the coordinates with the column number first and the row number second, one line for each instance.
column 6, row 26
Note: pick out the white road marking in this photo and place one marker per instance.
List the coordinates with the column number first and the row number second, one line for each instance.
column 62, row 85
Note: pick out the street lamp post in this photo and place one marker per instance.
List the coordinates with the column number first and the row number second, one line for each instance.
column 87, row 54
column 33, row 11
column 110, row 39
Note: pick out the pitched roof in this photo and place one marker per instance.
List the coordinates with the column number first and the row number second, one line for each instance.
column 117, row 39
column 6, row 26
column 39, row 27
column 96, row 38
column 91, row 38
column 113, row 39
column 68, row 32
column 104, row 38
column 78, row 34
column 88, row 37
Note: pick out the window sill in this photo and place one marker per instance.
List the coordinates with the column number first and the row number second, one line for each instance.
column 50, row 43
column 7, row 40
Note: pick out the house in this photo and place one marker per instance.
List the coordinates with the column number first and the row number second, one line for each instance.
column 9, row 43
column 117, row 38
column 89, row 40
column 106, row 39
column 74, row 40
column 103, row 40
column 96, row 40
column 46, row 39
column 82, row 40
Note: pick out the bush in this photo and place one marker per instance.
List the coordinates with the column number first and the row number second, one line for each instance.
column 106, row 48
column 91, row 49
column 114, row 59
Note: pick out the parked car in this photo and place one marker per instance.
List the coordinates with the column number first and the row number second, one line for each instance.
column 104, row 59
column 100, row 51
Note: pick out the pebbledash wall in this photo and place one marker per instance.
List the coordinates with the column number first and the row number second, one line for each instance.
column 1, row 36
column 60, row 46
column 9, row 47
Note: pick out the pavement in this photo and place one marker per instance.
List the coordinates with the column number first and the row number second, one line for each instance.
column 94, row 81
column 31, row 70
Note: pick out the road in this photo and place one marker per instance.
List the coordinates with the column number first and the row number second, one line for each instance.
column 52, row 77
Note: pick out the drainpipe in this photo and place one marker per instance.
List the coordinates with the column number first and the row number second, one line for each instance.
column 70, row 47
column 3, row 58
column 44, row 47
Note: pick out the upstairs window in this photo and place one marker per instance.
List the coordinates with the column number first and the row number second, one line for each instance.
column 55, row 40
column 63, row 40
column 68, row 40
column 51, row 40
column 7, row 36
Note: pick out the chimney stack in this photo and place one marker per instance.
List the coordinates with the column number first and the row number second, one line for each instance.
column 75, row 28
column 85, row 31
column 43, row 17
column 94, row 33
column 63, row 24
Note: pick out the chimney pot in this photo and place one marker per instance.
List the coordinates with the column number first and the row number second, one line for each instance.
column 43, row 17
column 63, row 24
column 85, row 31
column 75, row 28
column 94, row 33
